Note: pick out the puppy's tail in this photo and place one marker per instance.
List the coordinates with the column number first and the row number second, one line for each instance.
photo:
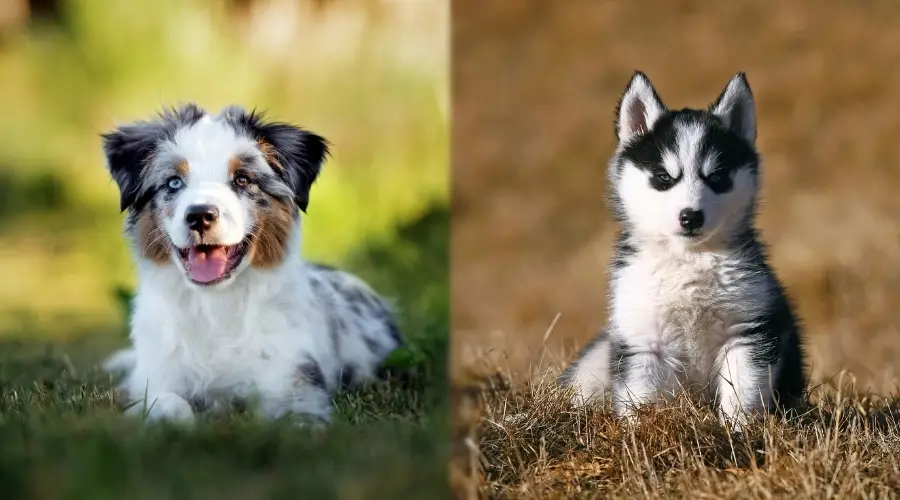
column 121, row 362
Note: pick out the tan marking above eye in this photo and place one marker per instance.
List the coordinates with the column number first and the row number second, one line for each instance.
column 234, row 165
column 182, row 167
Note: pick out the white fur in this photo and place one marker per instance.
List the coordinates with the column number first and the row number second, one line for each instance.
column 207, row 146
column 640, row 108
column 247, row 338
column 654, row 215
column 681, row 304
column 589, row 375
column 682, row 312
column 737, row 103
column 244, row 341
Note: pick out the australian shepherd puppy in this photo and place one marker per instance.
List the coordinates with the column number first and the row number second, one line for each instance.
column 226, row 311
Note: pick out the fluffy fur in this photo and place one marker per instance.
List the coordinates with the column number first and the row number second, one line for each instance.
column 226, row 311
column 693, row 303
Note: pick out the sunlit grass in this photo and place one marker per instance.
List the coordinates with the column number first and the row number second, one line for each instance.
column 369, row 76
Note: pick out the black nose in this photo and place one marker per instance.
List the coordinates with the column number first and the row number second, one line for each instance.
column 200, row 217
column 691, row 219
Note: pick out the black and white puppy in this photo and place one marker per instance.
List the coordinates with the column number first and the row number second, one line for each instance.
column 226, row 310
column 694, row 303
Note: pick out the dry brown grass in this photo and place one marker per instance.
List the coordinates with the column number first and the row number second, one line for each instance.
column 530, row 443
column 534, row 89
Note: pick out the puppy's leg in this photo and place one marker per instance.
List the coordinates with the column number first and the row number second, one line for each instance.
column 309, row 404
column 747, row 364
column 157, row 396
column 305, row 396
column 164, row 406
column 589, row 374
column 641, row 373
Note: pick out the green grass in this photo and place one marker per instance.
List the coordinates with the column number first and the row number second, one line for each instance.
column 62, row 434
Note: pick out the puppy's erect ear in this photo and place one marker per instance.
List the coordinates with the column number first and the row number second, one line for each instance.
column 736, row 108
column 295, row 154
column 129, row 148
column 638, row 109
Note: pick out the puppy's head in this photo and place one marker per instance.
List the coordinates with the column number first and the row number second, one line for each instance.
column 213, row 194
column 685, row 176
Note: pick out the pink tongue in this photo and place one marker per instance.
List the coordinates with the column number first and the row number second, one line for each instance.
column 208, row 264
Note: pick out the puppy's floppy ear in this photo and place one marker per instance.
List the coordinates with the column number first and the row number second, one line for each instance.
column 296, row 154
column 639, row 108
column 301, row 154
column 129, row 148
column 736, row 108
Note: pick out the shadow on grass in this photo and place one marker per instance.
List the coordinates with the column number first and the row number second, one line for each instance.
column 62, row 435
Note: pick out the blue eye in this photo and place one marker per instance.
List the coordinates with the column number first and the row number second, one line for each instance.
column 175, row 183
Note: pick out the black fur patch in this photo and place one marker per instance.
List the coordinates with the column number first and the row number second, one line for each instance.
column 622, row 251
column 732, row 152
column 348, row 376
column 129, row 148
column 300, row 152
column 198, row 404
column 775, row 341
column 620, row 359
column 310, row 371
column 394, row 331
column 372, row 345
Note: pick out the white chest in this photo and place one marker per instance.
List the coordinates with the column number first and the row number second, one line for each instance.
column 678, row 307
column 226, row 346
column 230, row 359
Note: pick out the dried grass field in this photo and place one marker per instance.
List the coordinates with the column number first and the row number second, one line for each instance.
column 535, row 85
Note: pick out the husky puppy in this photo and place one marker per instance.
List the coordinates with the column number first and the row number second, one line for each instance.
column 226, row 311
column 693, row 302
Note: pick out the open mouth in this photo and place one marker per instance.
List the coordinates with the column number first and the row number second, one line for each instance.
column 210, row 264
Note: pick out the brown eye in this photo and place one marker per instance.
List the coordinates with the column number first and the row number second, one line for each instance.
column 241, row 180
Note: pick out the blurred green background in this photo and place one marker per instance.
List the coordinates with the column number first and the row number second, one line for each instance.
column 370, row 76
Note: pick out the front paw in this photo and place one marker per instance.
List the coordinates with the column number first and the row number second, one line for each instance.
column 627, row 413
column 735, row 419
column 168, row 407
column 628, row 419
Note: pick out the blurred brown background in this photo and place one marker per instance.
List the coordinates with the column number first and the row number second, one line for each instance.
column 535, row 86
